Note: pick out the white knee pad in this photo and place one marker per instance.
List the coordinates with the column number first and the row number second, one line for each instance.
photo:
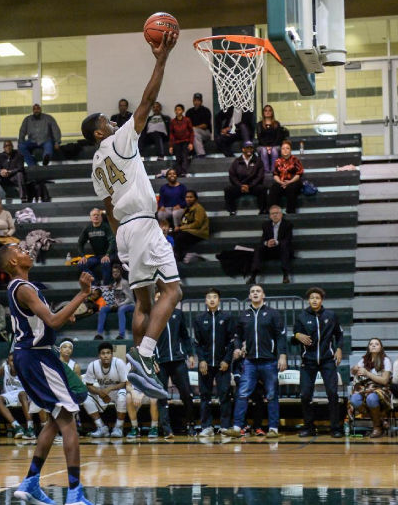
column 90, row 405
column 121, row 401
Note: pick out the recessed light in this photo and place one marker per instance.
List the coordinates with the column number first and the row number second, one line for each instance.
column 7, row 49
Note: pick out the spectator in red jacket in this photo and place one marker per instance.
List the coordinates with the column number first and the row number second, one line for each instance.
column 181, row 140
column 288, row 171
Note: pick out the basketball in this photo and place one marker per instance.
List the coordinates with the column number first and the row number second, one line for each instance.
column 157, row 24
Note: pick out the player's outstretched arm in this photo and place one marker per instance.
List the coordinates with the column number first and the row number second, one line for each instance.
column 29, row 299
column 151, row 91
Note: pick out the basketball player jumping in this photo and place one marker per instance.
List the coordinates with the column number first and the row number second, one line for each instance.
column 120, row 180
column 42, row 373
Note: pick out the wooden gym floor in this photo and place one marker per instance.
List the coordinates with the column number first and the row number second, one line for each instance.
column 250, row 471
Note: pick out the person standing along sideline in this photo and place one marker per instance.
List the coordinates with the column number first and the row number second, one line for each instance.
column 262, row 336
column 42, row 131
column 42, row 373
column 320, row 335
column 120, row 180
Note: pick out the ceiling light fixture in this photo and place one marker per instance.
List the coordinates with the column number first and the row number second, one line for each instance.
column 7, row 49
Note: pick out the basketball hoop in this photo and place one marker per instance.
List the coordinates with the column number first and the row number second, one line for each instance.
column 235, row 62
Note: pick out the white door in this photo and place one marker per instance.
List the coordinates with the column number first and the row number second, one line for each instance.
column 394, row 100
column 365, row 104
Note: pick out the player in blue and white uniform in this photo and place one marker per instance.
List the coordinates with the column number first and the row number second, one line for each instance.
column 41, row 372
column 120, row 180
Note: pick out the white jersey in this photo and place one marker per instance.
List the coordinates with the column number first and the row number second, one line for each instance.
column 10, row 382
column 118, row 172
column 105, row 377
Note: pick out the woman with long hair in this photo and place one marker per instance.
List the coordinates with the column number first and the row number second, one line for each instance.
column 371, row 391
column 270, row 135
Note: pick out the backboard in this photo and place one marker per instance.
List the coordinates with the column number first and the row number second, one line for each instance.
column 307, row 35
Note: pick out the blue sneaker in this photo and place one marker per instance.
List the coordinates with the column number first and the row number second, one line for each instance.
column 76, row 497
column 30, row 491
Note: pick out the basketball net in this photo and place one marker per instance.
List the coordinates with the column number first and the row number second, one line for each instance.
column 235, row 62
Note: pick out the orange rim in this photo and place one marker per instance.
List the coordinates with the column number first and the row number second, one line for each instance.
column 263, row 45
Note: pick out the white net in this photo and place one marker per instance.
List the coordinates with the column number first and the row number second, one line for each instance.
column 235, row 67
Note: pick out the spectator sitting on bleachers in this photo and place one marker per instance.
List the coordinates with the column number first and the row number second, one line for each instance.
column 156, row 131
column 124, row 303
column 42, row 131
column 12, row 171
column 321, row 337
column 200, row 117
column 276, row 243
column 172, row 199
column 230, row 126
column 261, row 338
column 14, row 394
column 270, row 135
column 371, row 390
column 102, row 241
column 214, row 342
column 172, row 350
column 394, row 380
column 7, row 227
column 124, row 114
column 165, row 226
column 65, row 355
column 134, row 400
column 246, row 176
column 288, row 171
column 194, row 226
column 181, row 140
column 106, row 379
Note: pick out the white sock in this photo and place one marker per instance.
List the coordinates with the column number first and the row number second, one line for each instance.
column 134, row 424
column 236, row 428
column 99, row 423
column 119, row 423
column 154, row 424
column 15, row 424
column 147, row 347
column 30, row 424
column 274, row 429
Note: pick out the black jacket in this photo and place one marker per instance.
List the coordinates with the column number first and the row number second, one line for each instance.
column 166, row 121
column 263, row 331
column 214, row 337
column 120, row 120
column 174, row 343
column 325, row 332
column 270, row 137
column 285, row 232
column 12, row 163
column 251, row 174
column 223, row 119
column 201, row 115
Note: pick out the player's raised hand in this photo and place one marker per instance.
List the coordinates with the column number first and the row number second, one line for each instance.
column 167, row 44
column 85, row 282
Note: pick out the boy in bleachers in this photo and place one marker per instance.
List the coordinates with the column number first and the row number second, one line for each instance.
column 14, row 394
column 106, row 379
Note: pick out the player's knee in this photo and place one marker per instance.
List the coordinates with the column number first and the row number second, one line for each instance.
column 121, row 401
column 90, row 406
column 22, row 396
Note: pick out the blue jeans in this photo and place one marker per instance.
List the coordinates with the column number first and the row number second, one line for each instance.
column 121, row 313
column 27, row 146
column 267, row 372
column 372, row 400
column 92, row 263
column 268, row 159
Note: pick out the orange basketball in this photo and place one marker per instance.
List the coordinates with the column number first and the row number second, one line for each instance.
column 157, row 24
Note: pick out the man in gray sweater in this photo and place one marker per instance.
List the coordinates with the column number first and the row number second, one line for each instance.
column 42, row 131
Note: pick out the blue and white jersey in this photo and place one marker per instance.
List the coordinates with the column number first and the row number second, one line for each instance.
column 30, row 331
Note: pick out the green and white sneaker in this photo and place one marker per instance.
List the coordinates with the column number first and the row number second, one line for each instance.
column 143, row 375
column 18, row 432
column 133, row 433
column 153, row 432
column 29, row 434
